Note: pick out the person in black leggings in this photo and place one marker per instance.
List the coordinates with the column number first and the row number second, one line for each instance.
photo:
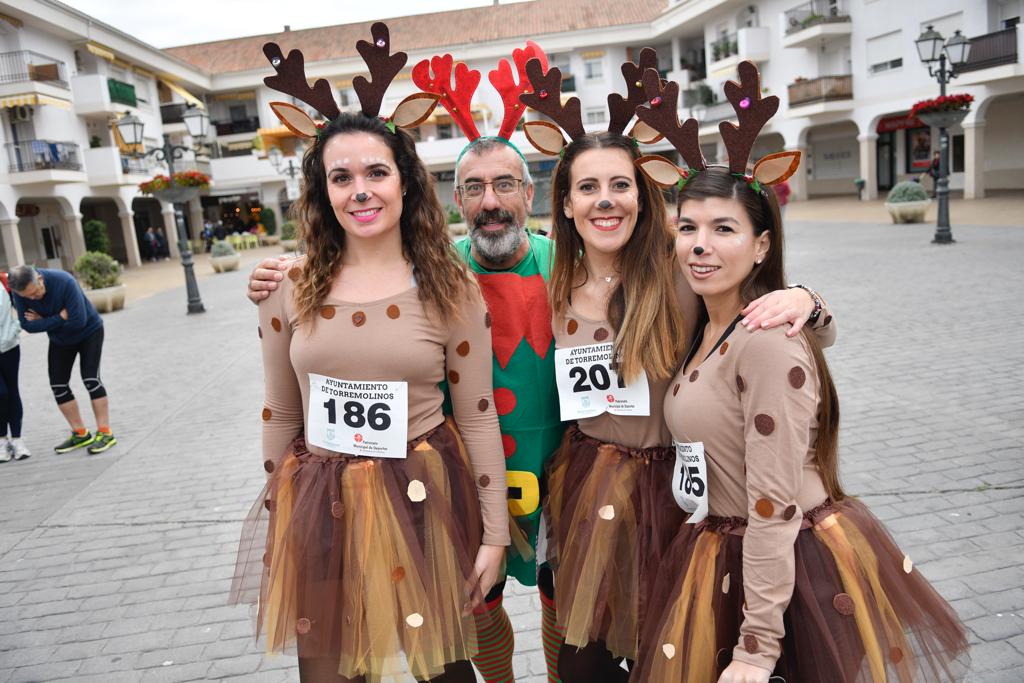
column 10, row 399
column 51, row 301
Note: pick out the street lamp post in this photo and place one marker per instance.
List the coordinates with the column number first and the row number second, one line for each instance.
column 196, row 122
column 931, row 49
column 277, row 158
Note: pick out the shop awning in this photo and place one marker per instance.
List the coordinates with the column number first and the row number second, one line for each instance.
column 184, row 94
column 100, row 51
column 33, row 99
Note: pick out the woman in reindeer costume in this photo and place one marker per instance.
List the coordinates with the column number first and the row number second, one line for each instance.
column 383, row 523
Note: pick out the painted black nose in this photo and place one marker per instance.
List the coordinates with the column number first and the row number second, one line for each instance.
column 362, row 197
column 698, row 250
column 604, row 204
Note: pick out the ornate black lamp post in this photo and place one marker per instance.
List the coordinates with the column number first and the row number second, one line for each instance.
column 197, row 124
column 277, row 158
column 931, row 49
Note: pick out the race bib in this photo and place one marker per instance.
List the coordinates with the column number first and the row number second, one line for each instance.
column 588, row 386
column 690, row 480
column 359, row 418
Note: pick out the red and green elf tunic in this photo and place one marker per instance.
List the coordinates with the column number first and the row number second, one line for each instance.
column 525, row 394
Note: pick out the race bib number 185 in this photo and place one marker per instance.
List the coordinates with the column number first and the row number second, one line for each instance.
column 588, row 386
column 690, row 480
column 359, row 418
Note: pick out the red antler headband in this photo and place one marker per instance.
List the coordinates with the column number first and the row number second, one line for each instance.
column 753, row 113
column 384, row 66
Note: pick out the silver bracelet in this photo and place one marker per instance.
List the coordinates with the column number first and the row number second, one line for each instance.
column 818, row 303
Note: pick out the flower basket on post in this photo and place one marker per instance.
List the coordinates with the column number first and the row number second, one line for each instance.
column 945, row 111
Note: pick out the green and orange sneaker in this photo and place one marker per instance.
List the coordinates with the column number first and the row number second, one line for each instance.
column 102, row 442
column 74, row 441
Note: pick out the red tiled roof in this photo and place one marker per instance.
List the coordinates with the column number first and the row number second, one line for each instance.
column 437, row 30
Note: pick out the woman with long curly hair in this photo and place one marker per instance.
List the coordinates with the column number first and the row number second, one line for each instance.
column 383, row 522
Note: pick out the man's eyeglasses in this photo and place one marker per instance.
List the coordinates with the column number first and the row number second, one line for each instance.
column 475, row 190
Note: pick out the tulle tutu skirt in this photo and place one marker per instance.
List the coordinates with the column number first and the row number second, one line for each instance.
column 610, row 517
column 859, row 613
column 365, row 559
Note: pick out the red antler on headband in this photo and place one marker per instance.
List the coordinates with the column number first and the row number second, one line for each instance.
column 457, row 100
column 502, row 80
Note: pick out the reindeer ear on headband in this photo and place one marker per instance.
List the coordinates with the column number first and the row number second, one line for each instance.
column 660, row 170
column 414, row 109
column 774, row 168
column 546, row 137
column 294, row 119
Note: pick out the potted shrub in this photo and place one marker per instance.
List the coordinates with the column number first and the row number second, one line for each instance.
column 945, row 111
column 269, row 221
column 96, row 238
column 101, row 276
column 907, row 202
column 224, row 257
column 288, row 238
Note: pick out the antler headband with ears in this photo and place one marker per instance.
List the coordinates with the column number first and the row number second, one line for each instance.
column 458, row 98
column 753, row 112
column 384, row 66
column 546, row 98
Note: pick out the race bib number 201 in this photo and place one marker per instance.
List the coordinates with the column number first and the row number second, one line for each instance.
column 359, row 418
column 588, row 386
column 690, row 480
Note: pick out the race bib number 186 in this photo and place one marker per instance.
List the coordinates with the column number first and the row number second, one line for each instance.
column 690, row 480
column 588, row 386
column 359, row 418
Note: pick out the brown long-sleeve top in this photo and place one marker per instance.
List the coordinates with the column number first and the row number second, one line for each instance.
column 753, row 402
column 391, row 339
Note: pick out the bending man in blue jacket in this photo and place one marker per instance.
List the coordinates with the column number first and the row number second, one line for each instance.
column 51, row 301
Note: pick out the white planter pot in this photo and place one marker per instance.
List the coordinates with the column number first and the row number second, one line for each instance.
column 107, row 299
column 908, row 212
column 272, row 239
column 290, row 245
column 223, row 264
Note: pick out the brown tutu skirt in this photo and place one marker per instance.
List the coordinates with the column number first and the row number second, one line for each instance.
column 859, row 613
column 610, row 516
column 365, row 559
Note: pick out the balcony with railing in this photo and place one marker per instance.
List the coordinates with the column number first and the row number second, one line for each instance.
column 43, row 160
column 820, row 90
column 23, row 66
column 173, row 112
column 992, row 49
column 724, row 47
column 246, row 125
column 816, row 20
column 110, row 166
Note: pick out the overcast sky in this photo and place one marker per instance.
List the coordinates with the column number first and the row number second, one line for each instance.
column 166, row 23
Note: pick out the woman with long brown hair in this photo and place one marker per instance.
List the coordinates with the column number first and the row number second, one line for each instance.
column 619, row 332
column 777, row 572
column 383, row 523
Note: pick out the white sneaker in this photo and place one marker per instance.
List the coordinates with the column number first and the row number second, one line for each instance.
column 5, row 450
column 21, row 451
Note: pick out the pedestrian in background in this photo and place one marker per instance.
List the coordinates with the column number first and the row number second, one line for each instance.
column 11, row 444
column 782, row 192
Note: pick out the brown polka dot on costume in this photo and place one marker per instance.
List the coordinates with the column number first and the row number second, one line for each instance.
column 398, row 573
column 827, row 320
column 896, row 655
column 276, row 324
column 302, row 626
column 740, row 384
column 843, row 604
column 462, row 349
column 268, row 465
column 269, row 504
column 723, row 348
column 764, row 424
column 266, row 559
column 788, row 513
column 393, row 312
column 485, row 481
column 600, row 334
column 327, row 312
column 508, row 444
column 572, row 326
column 675, row 390
column 266, row 414
column 259, row 331
column 482, row 404
column 294, row 274
column 750, row 644
column 358, row 318
column 694, row 375
column 797, row 377
column 487, row 319
column 337, row 509
column 453, row 377
column 764, row 508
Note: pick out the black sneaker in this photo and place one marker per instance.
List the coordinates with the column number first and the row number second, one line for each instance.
column 73, row 442
column 102, row 442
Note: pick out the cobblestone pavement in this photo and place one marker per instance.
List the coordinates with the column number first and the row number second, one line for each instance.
column 116, row 567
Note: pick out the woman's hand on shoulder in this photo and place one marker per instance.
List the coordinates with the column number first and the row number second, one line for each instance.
column 793, row 306
column 741, row 672
column 265, row 276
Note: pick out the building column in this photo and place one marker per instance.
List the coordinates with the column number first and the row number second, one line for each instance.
column 677, row 53
column 974, row 160
column 131, row 241
column 12, row 242
column 798, row 181
column 170, row 229
column 869, row 164
column 195, row 217
column 74, row 237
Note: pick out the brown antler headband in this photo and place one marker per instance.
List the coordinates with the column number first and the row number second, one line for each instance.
column 384, row 66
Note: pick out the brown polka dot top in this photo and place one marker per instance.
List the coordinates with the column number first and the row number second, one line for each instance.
column 753, row 402
column 392, row 339
column 632, row 431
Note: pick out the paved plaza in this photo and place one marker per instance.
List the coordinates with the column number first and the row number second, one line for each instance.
column 116, row 567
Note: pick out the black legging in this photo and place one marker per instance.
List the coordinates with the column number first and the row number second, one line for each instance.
column 61, row 359
column 10, row 399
